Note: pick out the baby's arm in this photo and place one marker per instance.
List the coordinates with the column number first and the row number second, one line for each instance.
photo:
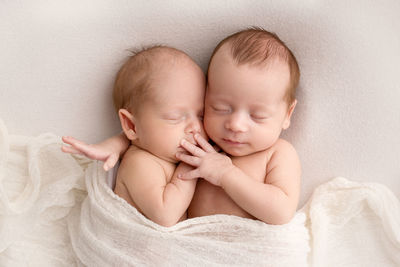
column 274, row 201
column 109, row 151
column 144, row 178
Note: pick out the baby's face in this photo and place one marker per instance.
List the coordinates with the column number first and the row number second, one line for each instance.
column 245, row 109
column 174, row 112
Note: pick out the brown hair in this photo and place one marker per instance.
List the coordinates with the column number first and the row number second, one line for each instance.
column 132, row 85
column 256, row 46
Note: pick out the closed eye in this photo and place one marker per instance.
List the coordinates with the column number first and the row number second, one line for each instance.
column 259, row 117
column 221, row 109
column 174, row 118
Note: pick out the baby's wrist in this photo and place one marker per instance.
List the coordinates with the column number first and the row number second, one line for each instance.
column 227, row 175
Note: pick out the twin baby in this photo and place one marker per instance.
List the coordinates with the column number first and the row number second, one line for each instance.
column 168, row 110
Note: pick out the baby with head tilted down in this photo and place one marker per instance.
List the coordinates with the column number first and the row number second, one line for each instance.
column 159, row 95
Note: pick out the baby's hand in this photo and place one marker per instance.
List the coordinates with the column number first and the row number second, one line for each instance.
column 210, row 164
column 103, row 151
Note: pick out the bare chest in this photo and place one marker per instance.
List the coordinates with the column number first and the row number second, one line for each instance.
column 253, row 165
column 209, row 199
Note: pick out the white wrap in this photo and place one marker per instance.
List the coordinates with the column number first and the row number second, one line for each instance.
column 107, row 230
column 354, row 224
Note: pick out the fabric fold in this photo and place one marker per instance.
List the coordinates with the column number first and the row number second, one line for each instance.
column 107, row 230
column 354, row 224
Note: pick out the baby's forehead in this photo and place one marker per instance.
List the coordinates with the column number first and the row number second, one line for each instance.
column 176, row 79
column 226, row 55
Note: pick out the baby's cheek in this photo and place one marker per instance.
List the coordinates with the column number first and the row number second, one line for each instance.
column 214, row 130
column 209, row 124
column 266, row 139
column 204, row 134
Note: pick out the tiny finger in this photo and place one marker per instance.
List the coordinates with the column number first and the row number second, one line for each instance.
column 70, row 150
column 188, row 159
column 84, row 148
column 189, row 175
column 110, row 162
column 203, row 143
column 71, row 140
column 194, row 150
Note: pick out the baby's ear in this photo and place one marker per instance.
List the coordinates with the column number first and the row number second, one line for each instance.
column 127, row 124
column 289, row 113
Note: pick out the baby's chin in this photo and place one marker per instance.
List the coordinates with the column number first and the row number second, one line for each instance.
column 238, row 152
column 235, row 152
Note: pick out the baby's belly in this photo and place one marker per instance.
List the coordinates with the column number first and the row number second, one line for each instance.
column 209, row 199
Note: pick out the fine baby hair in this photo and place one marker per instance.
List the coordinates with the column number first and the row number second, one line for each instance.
column 258, row 47
column 132, row 85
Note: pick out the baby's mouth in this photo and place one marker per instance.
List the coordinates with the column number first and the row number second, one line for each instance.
column 232, row 142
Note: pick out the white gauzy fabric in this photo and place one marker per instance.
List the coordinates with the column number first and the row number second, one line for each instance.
column 38, row 187
column 49, row 217
column 354, row 224
column 106, row 230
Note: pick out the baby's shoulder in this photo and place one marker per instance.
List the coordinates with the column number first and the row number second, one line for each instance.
column 282, row 150
column 138, row 158
column 137, row 165
column 136, row 153
column 283, row 145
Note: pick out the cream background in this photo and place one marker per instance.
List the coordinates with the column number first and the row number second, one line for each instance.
column 58, row 60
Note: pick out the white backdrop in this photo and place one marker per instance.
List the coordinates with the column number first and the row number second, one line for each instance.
column 58, row 60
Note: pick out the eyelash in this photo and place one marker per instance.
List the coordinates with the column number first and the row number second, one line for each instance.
column 227, row 110
column 174, row 119
column 179, row 119
column 258, row 118
column 221, row 109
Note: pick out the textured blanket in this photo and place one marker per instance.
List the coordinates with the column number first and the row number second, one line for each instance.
column 57, row 210
column 107, row 230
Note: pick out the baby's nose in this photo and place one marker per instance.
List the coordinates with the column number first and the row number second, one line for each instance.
column 194, row 126
column 237, row 122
